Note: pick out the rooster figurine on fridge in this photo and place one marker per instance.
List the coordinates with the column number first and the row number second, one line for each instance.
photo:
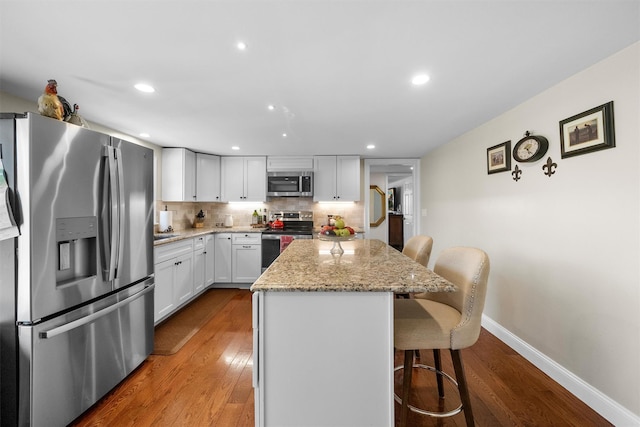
column 52, row 105
column 76, row 118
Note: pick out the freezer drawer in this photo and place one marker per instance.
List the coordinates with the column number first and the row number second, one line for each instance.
column 68, row 363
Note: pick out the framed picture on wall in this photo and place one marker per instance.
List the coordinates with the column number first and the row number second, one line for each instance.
column 499, row 158
column 589, row 131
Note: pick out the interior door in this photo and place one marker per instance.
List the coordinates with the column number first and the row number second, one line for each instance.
column 407, row 210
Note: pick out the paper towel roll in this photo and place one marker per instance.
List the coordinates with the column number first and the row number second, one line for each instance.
column 166, row 219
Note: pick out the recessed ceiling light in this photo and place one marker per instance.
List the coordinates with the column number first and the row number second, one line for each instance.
column 284, row 135
column 145, row 135
column 370, row 147
column 241, row 46
column 143, row 87
column 235, row 147
column 420, row 79
column 271, row 107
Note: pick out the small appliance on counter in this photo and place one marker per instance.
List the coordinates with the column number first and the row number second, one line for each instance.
column 228, row 220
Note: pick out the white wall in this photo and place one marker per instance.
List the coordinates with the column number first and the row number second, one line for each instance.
column 565, row 249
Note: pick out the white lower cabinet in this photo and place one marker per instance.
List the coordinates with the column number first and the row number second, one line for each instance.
column 173, row 276
column 209, row 259
column 238, row 257
column 222, row 258
column 185, row 268
column 199, row 264
column 163, row 293
column 246, row 259
column 183, row 285
column 203, row 262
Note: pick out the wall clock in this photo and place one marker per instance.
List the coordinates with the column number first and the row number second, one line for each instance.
column 530, row 148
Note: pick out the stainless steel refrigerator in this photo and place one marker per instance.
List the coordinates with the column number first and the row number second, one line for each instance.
column 76, row 286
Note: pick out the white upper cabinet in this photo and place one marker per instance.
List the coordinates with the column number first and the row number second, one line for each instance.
column 207, row 178
column 289, row 163
column 178, row 175
column 244, row 179
column 336, row 178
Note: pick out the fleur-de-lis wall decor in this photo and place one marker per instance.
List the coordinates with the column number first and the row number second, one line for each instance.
column 517, row 173
column 550, row 167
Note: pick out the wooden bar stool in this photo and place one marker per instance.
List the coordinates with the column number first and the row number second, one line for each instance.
column 443, row 320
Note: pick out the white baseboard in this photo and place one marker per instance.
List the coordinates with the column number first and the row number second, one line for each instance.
column 594, row 398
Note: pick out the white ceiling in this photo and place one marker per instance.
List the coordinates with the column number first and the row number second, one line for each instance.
column 337, row 71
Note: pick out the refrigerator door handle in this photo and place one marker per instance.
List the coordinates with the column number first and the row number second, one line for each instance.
column 121, row 210
column 93, row 316
column 113, row 188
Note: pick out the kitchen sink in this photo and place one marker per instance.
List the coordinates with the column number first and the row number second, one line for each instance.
column 163, row 236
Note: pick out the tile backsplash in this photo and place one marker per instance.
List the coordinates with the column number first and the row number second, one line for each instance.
column 184, row 213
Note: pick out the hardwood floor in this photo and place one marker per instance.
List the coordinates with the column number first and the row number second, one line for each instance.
column 208, row 383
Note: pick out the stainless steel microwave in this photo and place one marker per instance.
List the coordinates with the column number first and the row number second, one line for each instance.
column 290, row 184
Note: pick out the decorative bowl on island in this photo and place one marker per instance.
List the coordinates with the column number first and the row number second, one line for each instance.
column 336, row 249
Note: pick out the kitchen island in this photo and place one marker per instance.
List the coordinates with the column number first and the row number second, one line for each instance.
column 323, row 333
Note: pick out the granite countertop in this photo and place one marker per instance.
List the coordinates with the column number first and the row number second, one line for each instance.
column 367, row 265
column 195, row 232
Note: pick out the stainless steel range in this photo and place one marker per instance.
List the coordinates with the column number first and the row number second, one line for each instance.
column 295, row 225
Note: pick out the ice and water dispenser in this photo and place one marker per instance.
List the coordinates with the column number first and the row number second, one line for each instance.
column 76, row 242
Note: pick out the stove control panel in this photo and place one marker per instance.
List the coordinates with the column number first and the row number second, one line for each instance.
column 291, row 215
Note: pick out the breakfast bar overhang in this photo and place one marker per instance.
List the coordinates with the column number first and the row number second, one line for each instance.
column 323, row 333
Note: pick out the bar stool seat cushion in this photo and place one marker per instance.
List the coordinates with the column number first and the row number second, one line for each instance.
column 423, row 324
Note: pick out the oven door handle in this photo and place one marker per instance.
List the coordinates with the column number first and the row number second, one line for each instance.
column 271, row 236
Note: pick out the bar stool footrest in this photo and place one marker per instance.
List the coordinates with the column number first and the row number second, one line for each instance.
column 424, row 411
